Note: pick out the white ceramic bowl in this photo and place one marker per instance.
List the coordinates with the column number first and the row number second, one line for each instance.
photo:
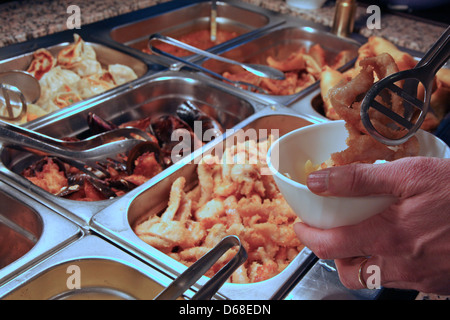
column 305, row 4
column 316, row 142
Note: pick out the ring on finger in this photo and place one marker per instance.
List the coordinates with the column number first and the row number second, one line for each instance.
column 360, row 276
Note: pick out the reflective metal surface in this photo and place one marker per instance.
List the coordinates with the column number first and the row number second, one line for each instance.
column 105, row 55
column 29, row 232
column 312, row 105
column 232, row 16
column 116, row 221
column 161, row 93
column 90, row 269
column 279, row 43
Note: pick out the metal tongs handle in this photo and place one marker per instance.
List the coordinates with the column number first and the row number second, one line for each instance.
column 213, row 21
column 423, row 72
column 438, row 54
column 198, row 67
column 198, row 269
column 259, row 70
column 16, row 136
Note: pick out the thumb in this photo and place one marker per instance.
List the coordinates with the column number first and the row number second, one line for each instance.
column 366, row 179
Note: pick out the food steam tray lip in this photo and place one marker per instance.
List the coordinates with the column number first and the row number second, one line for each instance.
column 87, row 247
column 82, row 211
column 104, row 28
column 7, row 57
column 112, row 223
column 57, row 233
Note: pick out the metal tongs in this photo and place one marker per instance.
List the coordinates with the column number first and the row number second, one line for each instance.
column 83, row 154
column 257, row 69
column 424, row 72
column 17, row 228
column 196, row 271
column 17, row 88
column 213, row 21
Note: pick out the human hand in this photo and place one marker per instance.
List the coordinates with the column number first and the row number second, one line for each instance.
column 409, row 242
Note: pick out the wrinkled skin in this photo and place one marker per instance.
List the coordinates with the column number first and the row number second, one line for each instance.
column 409, row 242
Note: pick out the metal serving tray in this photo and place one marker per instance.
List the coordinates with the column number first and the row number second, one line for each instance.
column 160, row 93
column 311, row 105
column 106, row 273
column 185, row 17
column 45, row 232
column 115, row 221
column 105, row 56
column 279, row 43
column 322, row 282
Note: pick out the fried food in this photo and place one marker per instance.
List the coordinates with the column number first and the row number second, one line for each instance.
column 376, row 47
column 441, row 96
column 42, row 62
column 141, row 163
column 302, row 68
column 72, row 75
column 346, row 98
column 379, row 45
column 329, row 79
column 62, row 180
column 50, row 178
column 231, row 198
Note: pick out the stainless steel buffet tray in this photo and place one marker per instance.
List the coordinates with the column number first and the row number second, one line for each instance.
column 160, row 93
column 29, row 233
column 279, row 43
column 232, row 16
column 322, row 282
column 310, row 105
column 104, row 273
column 105, row 55
column 115, row 221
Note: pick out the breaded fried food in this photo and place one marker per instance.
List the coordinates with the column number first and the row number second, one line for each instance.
column 302, row 68
column 375, row 48
column 346, row 99
column 232, row 198
column 329, row 79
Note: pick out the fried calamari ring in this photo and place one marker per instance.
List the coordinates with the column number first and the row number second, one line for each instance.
column 346, row 99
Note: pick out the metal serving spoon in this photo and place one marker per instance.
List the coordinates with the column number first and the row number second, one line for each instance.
column 17, row 88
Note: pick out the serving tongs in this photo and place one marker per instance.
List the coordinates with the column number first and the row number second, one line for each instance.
column 213, row 21
column 198, row 269
column 17, row 88
column 415, row 109
column 257, row 69
column 83, row 154
column 17, row 228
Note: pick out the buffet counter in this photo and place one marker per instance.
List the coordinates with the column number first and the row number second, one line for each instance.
column 116, row 34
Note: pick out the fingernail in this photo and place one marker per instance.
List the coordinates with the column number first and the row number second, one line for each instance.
column 317, row 181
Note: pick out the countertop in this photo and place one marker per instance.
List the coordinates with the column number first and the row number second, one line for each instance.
column 24, row 20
